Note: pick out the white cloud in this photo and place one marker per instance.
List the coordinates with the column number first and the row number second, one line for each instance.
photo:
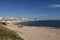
column 55, row 6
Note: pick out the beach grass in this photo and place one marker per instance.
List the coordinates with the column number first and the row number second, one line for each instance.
column 7, row 34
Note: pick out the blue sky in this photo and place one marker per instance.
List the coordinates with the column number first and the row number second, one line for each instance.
column 46, row 9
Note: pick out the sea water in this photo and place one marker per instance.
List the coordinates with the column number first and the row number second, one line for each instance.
column 49, row 23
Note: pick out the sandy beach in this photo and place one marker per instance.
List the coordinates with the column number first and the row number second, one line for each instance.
column 36, row 33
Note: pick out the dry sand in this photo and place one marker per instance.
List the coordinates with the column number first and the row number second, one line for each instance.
column 36, row 33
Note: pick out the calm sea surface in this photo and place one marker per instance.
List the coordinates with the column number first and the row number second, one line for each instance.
column 54, row 23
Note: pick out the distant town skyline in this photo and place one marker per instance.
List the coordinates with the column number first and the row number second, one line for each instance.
column 44, row 9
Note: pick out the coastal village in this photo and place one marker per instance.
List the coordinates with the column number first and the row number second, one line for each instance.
column 4, row 18
column 13, row 19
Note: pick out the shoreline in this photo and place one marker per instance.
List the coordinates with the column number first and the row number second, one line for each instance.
column 36, row 33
